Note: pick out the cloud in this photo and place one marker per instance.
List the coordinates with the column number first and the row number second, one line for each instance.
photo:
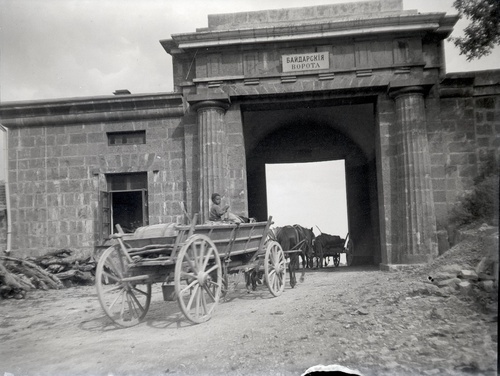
column 78, row 48
column 56, row 48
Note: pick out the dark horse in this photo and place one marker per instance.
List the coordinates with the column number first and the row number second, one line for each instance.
column 295, row 240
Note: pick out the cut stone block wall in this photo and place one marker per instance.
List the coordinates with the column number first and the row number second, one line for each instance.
column 467, row 135
column 56, row 171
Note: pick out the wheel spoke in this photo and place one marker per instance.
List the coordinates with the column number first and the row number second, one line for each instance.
column 121, row 259
column 198, row 251
column 192, row 297
column 191, row 264
column 113, row 288
column 138, row 304
column 111, row 276
column 277, row 281
column 197, row 304
column 188, row 287
column 274, row 256
column 131, row 308
column 212, row 269
column 116, row 299
column 142, row 292
column 207, row 289
column 192, row 254
column 203, row 302
column 122, row 310
column 188, row 276
column 207, row 258
column 110, row 262
column 272, row 279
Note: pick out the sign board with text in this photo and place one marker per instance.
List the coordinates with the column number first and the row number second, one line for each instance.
column 305, row 62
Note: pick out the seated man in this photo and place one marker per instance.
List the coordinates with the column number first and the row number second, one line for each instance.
column 220, row 213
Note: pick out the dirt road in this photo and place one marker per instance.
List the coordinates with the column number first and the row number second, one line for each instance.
column 376, row 322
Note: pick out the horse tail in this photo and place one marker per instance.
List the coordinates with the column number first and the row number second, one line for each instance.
column 283, row 239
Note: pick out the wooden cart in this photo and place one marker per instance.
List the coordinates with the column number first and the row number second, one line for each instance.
column 335, row 250
column 326, row 245
column 191, row 261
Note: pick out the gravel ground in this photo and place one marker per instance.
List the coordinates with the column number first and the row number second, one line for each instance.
column 375, row 322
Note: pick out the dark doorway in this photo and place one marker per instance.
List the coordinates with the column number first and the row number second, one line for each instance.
column 128, row 210
column 125, row 203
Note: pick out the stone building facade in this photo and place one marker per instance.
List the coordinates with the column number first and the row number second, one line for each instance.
column 362, row 82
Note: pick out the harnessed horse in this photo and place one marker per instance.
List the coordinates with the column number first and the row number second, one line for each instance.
column 295, row 240
column 307, row 248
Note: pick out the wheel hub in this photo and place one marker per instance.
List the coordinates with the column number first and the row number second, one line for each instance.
column 202, row 278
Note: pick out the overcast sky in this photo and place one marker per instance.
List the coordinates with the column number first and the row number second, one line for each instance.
column 76, row 48
column 309, row 194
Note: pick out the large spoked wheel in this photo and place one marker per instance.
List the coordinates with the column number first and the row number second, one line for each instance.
column 198, row 278
column 275, row 268
column 124, row 298
column 349, row 252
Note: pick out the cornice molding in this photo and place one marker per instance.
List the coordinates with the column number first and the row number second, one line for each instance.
column 439, row 23
column 93, row 109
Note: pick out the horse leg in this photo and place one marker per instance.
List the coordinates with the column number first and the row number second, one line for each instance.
column 319, row 256
column 292, row 266
column 254, row 279
column 303, row 273
column 248, row 280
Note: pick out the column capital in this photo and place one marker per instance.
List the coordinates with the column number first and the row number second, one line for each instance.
column 209, row 100
column 400, row 86
column 397, row 92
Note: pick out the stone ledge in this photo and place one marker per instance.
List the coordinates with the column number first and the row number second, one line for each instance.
column 398, row 267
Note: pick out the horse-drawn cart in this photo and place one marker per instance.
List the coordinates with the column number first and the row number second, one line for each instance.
column 191, row 261
column 326, row 245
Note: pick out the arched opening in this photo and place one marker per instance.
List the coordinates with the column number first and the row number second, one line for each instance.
column 299, row 132
column 308, row 194
column 311, row 194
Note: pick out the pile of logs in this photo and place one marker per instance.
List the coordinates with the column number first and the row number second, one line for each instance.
column 55, row 270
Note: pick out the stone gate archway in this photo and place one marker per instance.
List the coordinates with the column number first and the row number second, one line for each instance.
column 324, row 57
column 312, row 131
column 242, row 86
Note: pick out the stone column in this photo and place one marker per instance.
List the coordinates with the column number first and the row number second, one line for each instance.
column 416, row 222
column 213, row 164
